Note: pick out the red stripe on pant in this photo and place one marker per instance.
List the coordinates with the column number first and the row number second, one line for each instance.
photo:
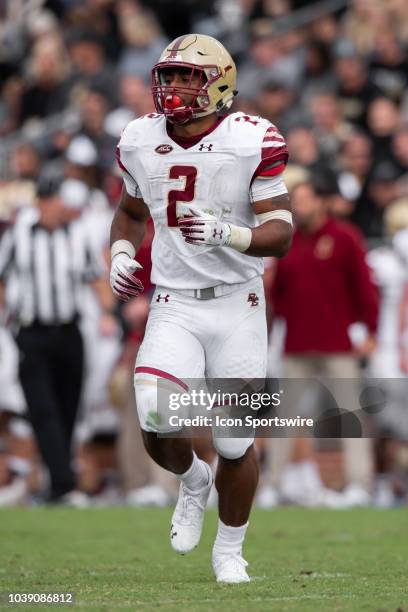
column 161, row 374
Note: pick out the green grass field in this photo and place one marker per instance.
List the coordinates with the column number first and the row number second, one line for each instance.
column 120, row 559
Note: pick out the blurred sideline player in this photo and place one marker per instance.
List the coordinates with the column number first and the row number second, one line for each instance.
column 212, row 184
column 98, row 423
column 389, row 363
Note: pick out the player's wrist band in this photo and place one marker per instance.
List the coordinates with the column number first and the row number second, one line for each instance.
column 240, row 238
column 123, row 246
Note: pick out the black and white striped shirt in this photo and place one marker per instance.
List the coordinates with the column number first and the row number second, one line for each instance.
column 45, row 272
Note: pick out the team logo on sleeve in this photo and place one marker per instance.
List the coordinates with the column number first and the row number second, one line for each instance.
column 163, row 149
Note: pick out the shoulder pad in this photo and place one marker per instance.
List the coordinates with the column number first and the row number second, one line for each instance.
column 254, row 121
column 137, row 128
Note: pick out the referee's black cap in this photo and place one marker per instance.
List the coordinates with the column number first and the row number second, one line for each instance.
column 48, row 184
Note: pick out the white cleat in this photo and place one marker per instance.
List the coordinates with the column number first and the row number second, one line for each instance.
column 188, row 516
column 230, row 568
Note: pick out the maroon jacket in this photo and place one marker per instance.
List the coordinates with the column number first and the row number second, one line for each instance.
column 321, row 287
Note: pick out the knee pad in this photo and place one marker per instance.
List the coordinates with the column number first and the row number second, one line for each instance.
column 152, row 403
column 232, row 448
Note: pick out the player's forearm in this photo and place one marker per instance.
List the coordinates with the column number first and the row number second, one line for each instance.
column 127, row 231
column 129, row 222
column 271, row 239
column 124, row 227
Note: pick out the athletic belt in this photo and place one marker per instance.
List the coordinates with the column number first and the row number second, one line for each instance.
column 209, row 293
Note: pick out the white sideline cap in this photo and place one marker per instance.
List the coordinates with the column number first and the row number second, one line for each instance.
column 82, row 151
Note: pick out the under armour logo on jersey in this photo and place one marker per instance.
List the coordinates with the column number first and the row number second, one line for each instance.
column 215, row 234
column 161, row 297
column 205, row 147
column 253, row 298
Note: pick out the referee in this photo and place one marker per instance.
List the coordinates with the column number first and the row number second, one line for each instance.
column 45, row 262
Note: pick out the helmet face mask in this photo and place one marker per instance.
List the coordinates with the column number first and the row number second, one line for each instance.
column 192, row 90
column 207, row 79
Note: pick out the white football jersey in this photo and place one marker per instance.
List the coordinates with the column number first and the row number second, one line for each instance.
column 215, row 175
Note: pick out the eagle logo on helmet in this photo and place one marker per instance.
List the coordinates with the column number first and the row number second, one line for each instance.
column 211, row 84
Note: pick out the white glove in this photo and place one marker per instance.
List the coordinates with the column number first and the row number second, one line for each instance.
column 123, row 281
column 201, row 228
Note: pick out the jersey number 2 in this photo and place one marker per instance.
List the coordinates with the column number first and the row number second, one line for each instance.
column 189, row 173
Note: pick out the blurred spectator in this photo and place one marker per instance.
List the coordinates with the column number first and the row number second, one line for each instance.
column 383, row 121
column 355, row 164
column 81, row 166
column 135, row 99
column 326, row 30
column 323, row 241
column 304, row 149
column 399, row 18
column 144, row 41
column 400, row 154
column 25, row 163
column 99, row 19
column 389, row 64
column 355, row 90
column 275, row 102
column 94, row 109
column 48, row 85
column 91, row 69
column 10, row 105
column 326, row 261
column 337, row 206
column 363, row 20
column 257, row 68
column 81, row 160
column 18, row 191
column 329, row 125
column 318, row 74
column 270, row 8
column 382, row 190
column 371, row 185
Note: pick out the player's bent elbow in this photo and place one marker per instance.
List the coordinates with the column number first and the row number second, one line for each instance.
column 282, row 243
column 283, row 248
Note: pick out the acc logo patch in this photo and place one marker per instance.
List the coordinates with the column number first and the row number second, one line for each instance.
column 163, row 149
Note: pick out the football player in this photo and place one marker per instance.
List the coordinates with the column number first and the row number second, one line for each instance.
column 212, row 182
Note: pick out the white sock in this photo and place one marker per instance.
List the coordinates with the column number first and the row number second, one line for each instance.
column 229, row 539
column 196, row 476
